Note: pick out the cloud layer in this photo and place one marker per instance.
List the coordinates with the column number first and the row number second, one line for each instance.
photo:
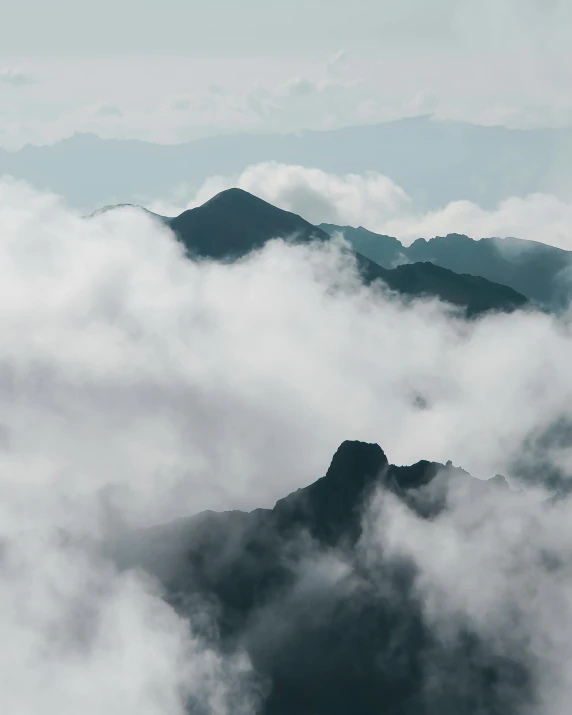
column 172, row 96
column 111, row 333
column 494, row 563
column 137, row 386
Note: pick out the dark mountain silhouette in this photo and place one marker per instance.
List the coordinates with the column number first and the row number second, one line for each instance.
column 356, row 642
column 235, row 222
column 477, row 295
column 535, row 270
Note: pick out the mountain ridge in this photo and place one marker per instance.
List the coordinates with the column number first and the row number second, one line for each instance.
column 434, row 161
column 235, row 222
column 533, row 269
column 335, row 647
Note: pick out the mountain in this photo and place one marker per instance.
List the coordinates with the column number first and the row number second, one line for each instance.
column 531, row 268
column 434, row 161
column 235, row 222
column 328, row 627
column 535, row 270
column 386, row 251
column 477, row 295
column 112, row 207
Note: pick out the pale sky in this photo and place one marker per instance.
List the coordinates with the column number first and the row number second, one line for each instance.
column 268, row 27
column 177, row 70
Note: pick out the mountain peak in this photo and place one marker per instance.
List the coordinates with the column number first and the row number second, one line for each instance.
column 234, row 194
column 235, row 222
column 362, row 460
column 330, row 507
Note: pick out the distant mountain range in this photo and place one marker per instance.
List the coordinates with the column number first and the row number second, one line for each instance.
column 435, row 162
column 542, row 273
column 234, row 222
column 332, row 645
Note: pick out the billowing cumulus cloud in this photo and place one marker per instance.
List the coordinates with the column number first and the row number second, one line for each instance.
column 377, row 203
column 137, row 386
column 116, row 329
column 537, row 217
column 494, row 563
column 79, row 636
column 318, row 196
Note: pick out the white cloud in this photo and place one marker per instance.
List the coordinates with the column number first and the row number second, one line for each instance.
column 495, row 563
column 125, row 343
column 80, row 637
column 139, row 384
column 318, row 196
column 537, row 217
column 377, row 203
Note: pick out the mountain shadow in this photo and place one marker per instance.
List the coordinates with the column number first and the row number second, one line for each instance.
column 327, row 630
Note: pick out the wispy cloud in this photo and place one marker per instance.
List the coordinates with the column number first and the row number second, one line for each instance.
column 16, row 78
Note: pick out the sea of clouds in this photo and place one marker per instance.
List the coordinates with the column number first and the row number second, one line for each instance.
column 137, row 386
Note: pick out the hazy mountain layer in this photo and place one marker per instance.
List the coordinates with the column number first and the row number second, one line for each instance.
column 538, row 271
column 435, row 162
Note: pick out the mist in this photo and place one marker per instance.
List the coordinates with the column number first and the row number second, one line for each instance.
column 494, row 563
column 138, row 386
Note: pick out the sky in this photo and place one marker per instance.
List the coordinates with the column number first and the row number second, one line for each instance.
column 178, row 70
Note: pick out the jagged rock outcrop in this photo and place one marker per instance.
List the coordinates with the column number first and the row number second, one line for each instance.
column 325, row 630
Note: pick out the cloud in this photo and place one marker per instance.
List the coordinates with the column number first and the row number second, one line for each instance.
column 537, row 217
column 337, row 64
column 494, row 563
column 443, row 72
column 137, row 386
column 376, row 202
column 109, row 110
column 318, row 196
column 300, row 87
column 123, row 342
column 79, row 636
column 15, row 77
